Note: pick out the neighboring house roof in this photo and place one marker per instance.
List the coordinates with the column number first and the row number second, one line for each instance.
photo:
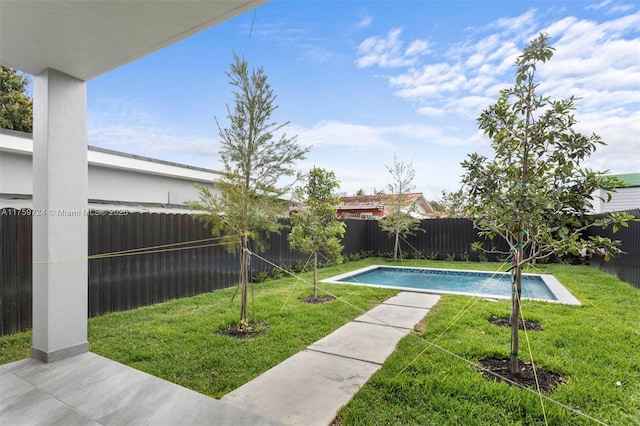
column 386, row 201
column 114, row 178
column 632, row 180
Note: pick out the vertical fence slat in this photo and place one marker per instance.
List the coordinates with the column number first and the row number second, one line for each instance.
column 162, row 258
column 95, row 267
column 170, row 273
column 137, row 261
column 128, row 244
column 25, row 270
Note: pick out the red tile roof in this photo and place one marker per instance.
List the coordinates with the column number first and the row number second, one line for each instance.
column 385, row 200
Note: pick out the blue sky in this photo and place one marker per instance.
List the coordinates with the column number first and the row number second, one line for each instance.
column 360, row 81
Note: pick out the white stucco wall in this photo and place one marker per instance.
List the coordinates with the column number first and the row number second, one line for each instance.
column 113, row 177
column 121, row 185
column 15, row 172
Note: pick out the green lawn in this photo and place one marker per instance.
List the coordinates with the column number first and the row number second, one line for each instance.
column 594, row 345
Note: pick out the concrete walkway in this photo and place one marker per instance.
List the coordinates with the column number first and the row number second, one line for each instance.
column 306, row 389
column 88, row 389
column 310, row 387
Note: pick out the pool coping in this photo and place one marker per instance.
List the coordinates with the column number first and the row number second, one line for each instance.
column 562, row 295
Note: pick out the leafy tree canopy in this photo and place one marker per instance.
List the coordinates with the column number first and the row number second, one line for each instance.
column 315, row 228
column 16, row 107
column 534, row 193
column 255, row 161
column 453, row 203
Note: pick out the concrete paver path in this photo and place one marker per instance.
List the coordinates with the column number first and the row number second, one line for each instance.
column 310, row 387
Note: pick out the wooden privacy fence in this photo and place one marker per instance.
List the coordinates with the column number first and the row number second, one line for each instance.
column 626, row 267
column 179, row 259
column 135, row 260
column 143, row 258
column 15, row 271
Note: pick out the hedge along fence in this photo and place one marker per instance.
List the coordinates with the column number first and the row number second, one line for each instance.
column 181, row 259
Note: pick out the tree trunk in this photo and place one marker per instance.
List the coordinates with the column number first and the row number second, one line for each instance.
column 515, row 310
column 396, row 246
column 315, row 274
column 244, row 276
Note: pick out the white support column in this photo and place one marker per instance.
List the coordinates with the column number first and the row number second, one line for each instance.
column 60, row 227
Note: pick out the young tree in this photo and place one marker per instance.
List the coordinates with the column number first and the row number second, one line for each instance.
column 453, row 203
column 16, row 107
column 534, row 193
column 255, row 161
column 400, row 223
column 315, row 227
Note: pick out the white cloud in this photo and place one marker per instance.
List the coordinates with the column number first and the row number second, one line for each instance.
column 333, row 133
column 599, row 6
column 277, row 31
column 317, row 54
column 471, row 70
column 364, row 22
column 431, row 111
column 621, row 132
column 297, row 37
column 389, row 51
column 614, row 9
column 620, row 9
column 469, row 106
column 434, row 149
column 417, row 47
column 475, row 60
column 596, row 60
column 373, row 138
column 517, row 24
column 129, row 128
column 493, row 91
column 431, row 80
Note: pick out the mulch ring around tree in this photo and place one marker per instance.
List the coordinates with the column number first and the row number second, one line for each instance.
column 253, row 329
column 504, row 322
column 317, row 300
column 546, row 379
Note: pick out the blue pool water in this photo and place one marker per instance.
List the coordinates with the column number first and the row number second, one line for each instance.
column 448, row 281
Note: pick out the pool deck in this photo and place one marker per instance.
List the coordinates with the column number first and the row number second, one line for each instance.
column 562, row 295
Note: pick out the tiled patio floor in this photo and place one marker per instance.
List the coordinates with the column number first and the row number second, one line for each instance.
column 91, row 390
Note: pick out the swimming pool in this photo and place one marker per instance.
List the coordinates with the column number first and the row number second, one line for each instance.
column 472, row 283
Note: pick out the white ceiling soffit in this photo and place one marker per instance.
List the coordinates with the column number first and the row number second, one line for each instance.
column 91, row 37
